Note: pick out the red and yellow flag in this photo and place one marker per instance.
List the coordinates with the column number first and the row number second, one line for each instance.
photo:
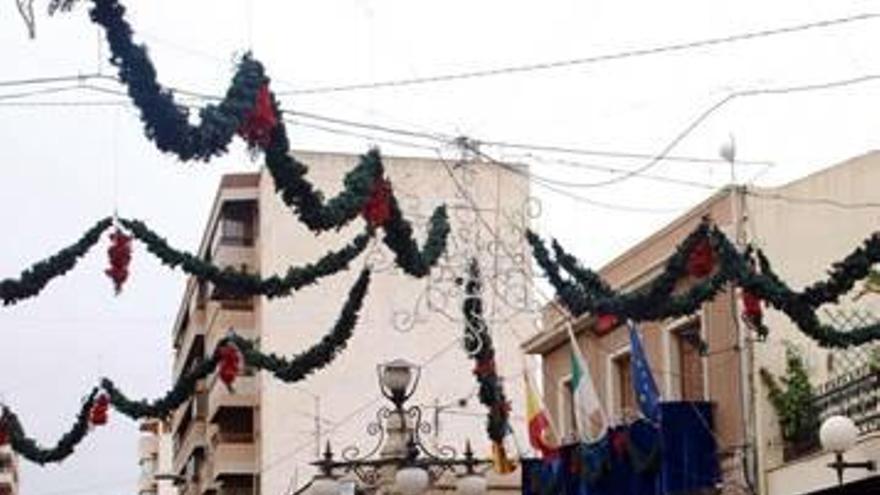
column 541, row 434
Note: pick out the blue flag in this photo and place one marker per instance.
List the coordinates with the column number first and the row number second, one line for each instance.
column 643, row 381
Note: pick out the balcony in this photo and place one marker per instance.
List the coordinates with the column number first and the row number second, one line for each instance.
column 148, row 446
column 244, row 394
column 147, row 484
column 856, row 395
column 8, row 481
column 191, row 350
column 243, row 322
column 194, row 408
column 193, row 433
column 233, row 454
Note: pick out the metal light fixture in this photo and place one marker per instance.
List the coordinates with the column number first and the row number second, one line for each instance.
column 398, row 380
column 326, row 483
column 471, row 483
column 839, row 434
column 399, row 457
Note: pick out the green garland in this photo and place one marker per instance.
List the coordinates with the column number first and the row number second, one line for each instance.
column 34, row 279
column 399, row 238
column 478, row 344
column 587, row 292
column 238, row 283
column 167, row 124
column 32, row 451
column 320, row 354
column 287, row 370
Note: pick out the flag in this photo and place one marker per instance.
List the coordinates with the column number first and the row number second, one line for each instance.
column 589, row 417
column 541, row 434
column 643, row 381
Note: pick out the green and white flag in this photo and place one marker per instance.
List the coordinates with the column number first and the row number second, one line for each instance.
column 589, row 416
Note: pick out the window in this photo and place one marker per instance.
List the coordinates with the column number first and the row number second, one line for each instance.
column 238, row 223
column 688, row 373
column 625, row 398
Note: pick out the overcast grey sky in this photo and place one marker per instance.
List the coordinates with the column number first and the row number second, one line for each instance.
column 65, row 167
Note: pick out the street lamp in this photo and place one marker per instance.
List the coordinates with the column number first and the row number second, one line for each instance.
column 398, row 380
column 838, row 434
column 399, row 457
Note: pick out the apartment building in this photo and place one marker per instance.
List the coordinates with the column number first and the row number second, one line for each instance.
column 262, row 437
column 803, row 227
column 8, row 471
column 154, row 459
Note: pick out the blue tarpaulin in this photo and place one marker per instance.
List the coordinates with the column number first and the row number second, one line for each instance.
column 678, row 457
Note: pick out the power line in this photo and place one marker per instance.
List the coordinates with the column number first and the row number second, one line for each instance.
column 614, row 154
column 727, row 99
column 814, row 201
column 52, row 79
column 607, row 169
column 640, row 52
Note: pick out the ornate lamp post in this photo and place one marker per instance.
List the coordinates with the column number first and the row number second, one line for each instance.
column 838, row 434
column 399, row 453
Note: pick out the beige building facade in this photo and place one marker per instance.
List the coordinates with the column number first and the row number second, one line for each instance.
column 803, row 227
column 154, row 459
column 262, row 437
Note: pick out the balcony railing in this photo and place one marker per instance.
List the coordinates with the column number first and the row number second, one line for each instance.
column 244, row 394
column 856, row 395
column 233, row 453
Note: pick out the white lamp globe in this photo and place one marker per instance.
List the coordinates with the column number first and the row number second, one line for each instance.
column 471, row 484
column 838, row 434
column 324, row 486
column 411, row 480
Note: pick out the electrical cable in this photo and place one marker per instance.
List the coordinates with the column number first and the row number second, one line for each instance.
column 812, row 201
column 540, row 66
column 727, row 99
column 611, row 153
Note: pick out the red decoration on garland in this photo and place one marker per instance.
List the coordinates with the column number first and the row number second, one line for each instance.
column 701, row 260
column 484, row 368
column 4, row 433
column 752, row 310
column 230, row 364
column 605, row 323
column 98, row 414
column 377, row 209
column 260, row 121
column 120, row 257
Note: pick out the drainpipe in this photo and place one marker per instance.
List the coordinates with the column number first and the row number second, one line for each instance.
column 746, row 352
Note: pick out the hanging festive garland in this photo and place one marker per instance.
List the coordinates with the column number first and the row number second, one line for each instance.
column 245, row 284
column 94, row 409
column 32, row 451
column 250, row 109
column 478, row 344
column 398, row 237
column 34, row 279
column 586, row 292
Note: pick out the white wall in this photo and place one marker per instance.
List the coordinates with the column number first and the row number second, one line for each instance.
column 348, row 388
column 802, row 237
